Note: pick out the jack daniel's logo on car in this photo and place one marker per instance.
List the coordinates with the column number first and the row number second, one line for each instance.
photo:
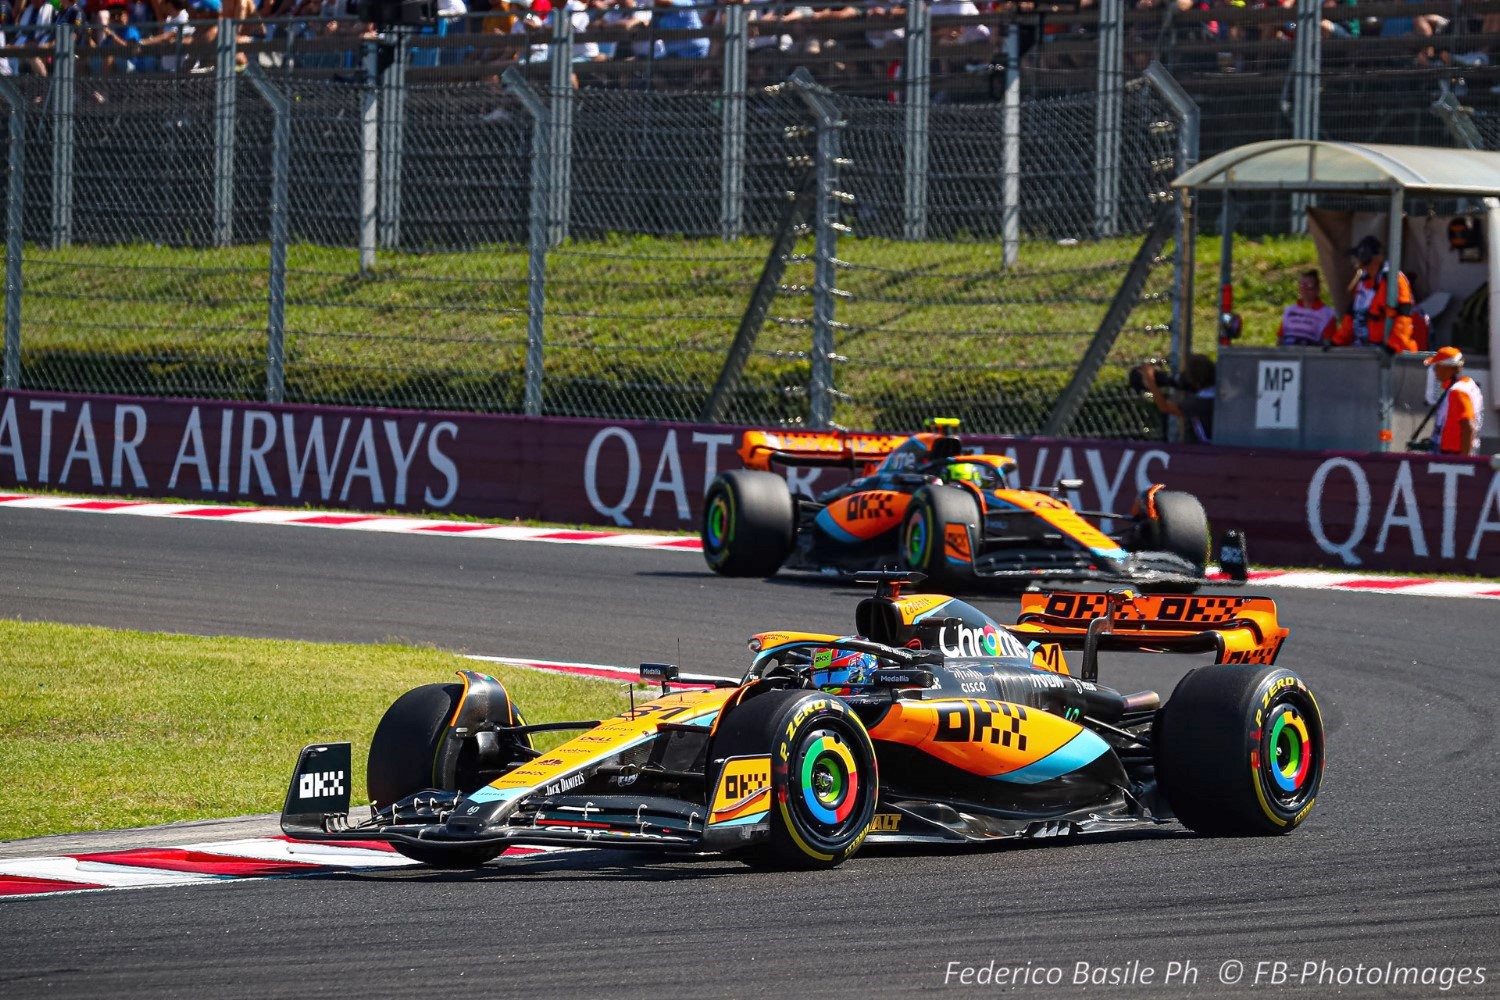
column 567, row 784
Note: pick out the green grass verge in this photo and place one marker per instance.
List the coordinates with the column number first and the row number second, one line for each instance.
column 105, row 729
column 637, row 326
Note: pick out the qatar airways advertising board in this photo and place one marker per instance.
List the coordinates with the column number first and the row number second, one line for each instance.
column 1419, row 513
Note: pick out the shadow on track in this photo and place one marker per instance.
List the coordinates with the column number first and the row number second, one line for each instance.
column 626, row 866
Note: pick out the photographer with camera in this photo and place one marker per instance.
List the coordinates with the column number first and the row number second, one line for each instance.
column 1195, row 393
column 1457, row 404
column 1364, row 323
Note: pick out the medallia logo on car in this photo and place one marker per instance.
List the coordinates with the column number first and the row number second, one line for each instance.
column 987, row 641
column 320, row 784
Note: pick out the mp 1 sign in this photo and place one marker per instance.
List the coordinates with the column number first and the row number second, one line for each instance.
column 1278, row 393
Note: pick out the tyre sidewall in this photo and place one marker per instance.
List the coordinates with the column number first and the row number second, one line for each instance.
column 924, row 534
column 718, row 523
column 1283, row 699
column 804, row 726
column 1215, row 756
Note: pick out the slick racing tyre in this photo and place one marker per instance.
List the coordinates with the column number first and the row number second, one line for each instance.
column 823, row 778
column 939, row 535
column 1179, row 526
column 404, row 756
column 1239, row 750
column 748, row 523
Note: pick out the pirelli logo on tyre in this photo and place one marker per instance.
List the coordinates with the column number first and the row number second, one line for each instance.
column 744, row 790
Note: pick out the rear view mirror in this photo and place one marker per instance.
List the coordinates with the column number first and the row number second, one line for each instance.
column 1070, row 484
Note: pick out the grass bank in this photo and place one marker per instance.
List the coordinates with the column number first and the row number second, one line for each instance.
column 104, row 729
column 636, row 325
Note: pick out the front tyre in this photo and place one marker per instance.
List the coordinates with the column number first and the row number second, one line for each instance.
column 1239, row 750
column 939, row 534
column 1176, row 523
column 405, row 759
column 824, row 783
column 748, row 523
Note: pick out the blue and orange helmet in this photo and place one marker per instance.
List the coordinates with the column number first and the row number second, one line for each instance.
column 840, row 670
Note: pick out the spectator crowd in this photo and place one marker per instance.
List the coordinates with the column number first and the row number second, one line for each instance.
column 140, row 35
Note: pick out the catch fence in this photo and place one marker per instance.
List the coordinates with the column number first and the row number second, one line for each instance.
column 750, row 246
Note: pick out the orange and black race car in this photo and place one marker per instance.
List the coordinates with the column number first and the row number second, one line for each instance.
column 924, row 503
column 933, row 724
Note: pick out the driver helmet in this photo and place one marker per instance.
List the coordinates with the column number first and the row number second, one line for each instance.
column 965, row 472
column 840, row 669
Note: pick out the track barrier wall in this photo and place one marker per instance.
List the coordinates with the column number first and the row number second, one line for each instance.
column 1418, row 513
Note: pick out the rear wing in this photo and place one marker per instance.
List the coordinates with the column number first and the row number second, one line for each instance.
column 1235, row 629
column 758, row 449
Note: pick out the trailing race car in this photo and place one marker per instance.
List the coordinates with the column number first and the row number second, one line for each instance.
column 924, row 503
column 934, row 724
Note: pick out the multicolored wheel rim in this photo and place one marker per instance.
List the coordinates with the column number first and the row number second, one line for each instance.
column 716, row 522
column 916, row 539
column 1289, row 754
column 829, row 779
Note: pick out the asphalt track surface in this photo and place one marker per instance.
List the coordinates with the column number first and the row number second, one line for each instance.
column 1399, row 862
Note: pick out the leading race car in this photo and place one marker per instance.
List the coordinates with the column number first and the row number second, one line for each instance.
column 958, row 518
column 934, row 724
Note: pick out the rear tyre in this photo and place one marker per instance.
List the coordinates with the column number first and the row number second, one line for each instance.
column 824, row 784
column 748, row 523
column 1179, row 527
column 1239, row 750
column 403, row 759
column 926, row 545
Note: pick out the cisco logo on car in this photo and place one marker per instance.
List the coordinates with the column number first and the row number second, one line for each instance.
column 320, row 784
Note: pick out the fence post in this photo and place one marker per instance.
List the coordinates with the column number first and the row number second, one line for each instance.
column 1307, row 91
column 369, row 162
column 560, row 123
column 917, row 66
column 1109, row 111
column 1127, row 297
column 732, row 159
column 224, row 121
column 281, row 146
column 1186, row 156
column 61, row 109
column 825, row 245
column 537, row 236
column 14, row 201
column 392, row 71
column 1010, row 218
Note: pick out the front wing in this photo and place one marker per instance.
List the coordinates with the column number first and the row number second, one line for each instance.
column 318, row 805
column 1026, row 565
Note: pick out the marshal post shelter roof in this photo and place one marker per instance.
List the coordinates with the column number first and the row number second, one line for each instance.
column 1304, row 165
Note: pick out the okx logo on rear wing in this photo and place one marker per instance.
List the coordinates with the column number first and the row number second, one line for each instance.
column 1236, row 629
